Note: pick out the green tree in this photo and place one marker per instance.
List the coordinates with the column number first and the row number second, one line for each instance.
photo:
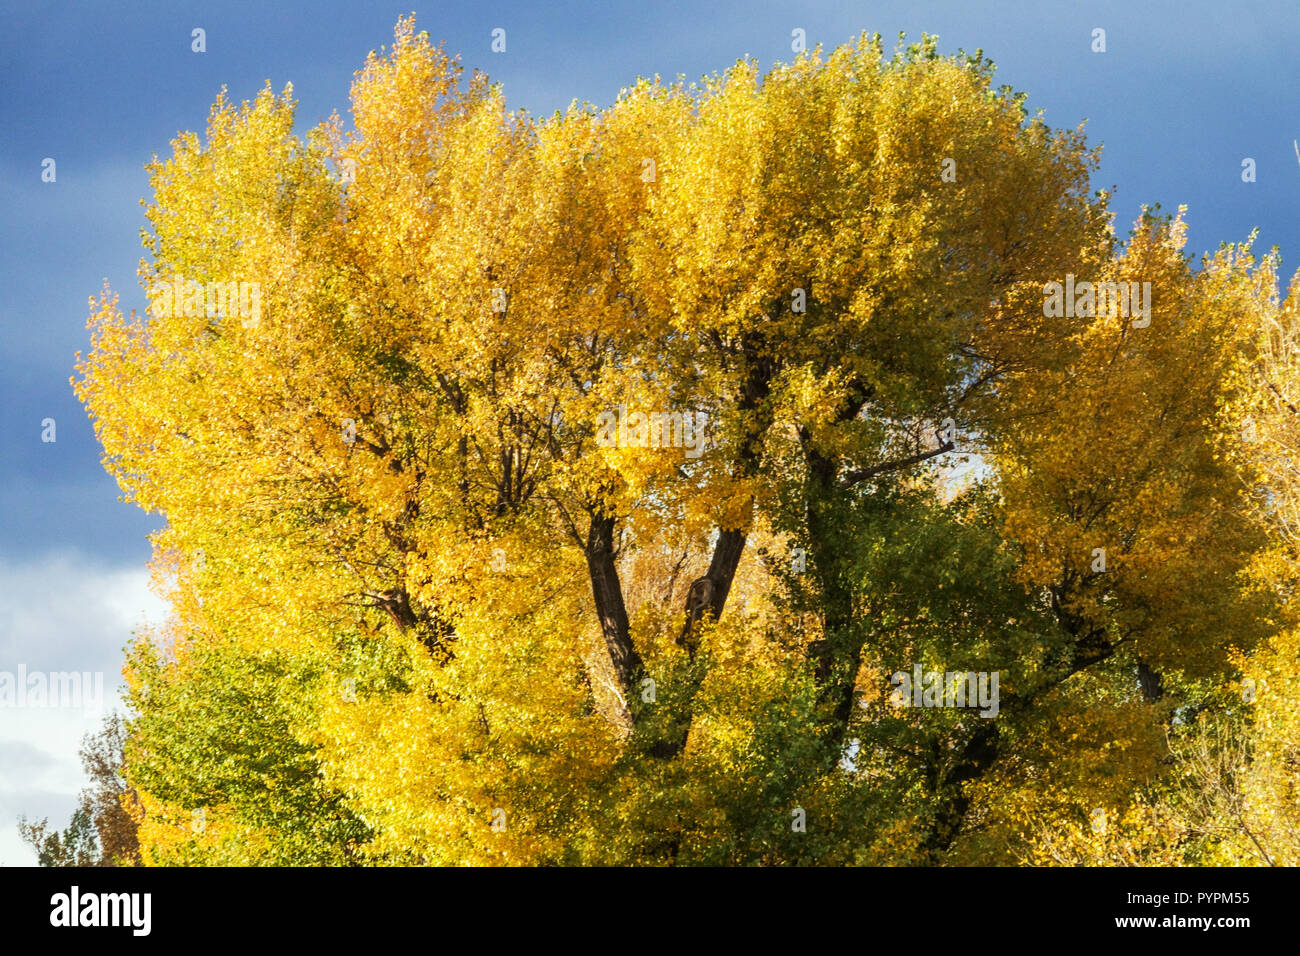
column 77, row 845
column 102, row 831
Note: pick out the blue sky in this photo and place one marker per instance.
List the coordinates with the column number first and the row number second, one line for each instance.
column 1184, row 92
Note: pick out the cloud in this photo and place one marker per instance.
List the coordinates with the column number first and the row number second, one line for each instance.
column 62, row 612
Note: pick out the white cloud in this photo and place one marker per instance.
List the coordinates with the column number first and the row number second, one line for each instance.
column 62, row 612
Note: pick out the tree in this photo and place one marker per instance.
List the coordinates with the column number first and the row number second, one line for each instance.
column 1127, row 493
column 421, row 403
column 75, row 846
column 1228, row 795
column 102, row 831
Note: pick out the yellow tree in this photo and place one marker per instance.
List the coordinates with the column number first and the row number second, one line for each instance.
column 1127, row 490
column 490, row 446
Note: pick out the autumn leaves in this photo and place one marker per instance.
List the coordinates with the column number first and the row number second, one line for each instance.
column 543, row 509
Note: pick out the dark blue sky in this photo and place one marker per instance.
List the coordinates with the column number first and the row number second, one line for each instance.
column 1183, row 93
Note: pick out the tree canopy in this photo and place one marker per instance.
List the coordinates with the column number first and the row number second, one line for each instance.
column 576, row 489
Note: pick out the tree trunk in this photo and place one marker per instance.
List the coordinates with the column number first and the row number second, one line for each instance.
column 708, row 595
column 607, row 591
column 838, row 654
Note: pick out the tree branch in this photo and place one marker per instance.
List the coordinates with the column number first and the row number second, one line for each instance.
column 854, row 477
